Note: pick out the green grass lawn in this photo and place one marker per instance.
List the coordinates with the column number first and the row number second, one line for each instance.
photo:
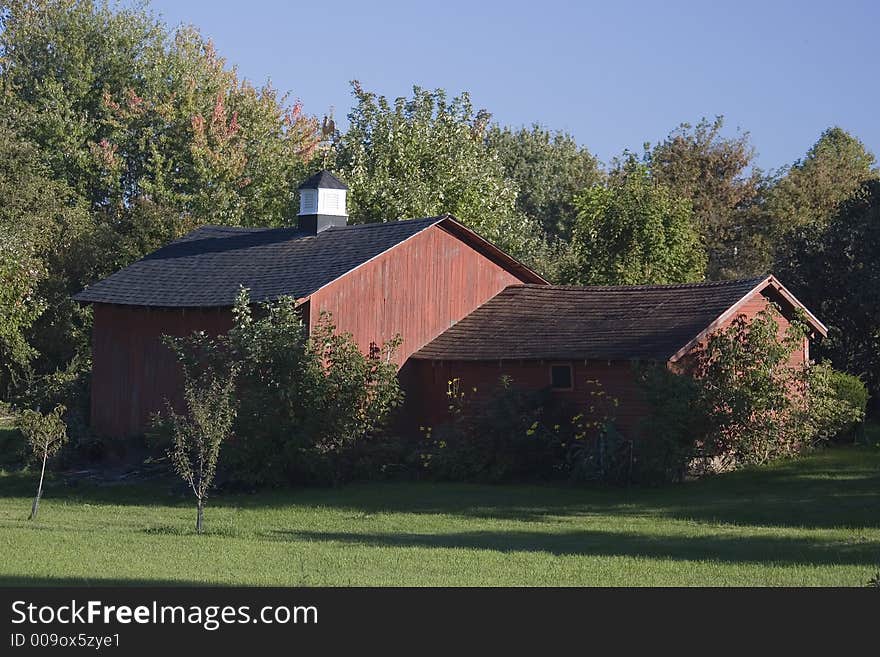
column 815, row 521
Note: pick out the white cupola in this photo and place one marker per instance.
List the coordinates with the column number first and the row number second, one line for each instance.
column 322, row 202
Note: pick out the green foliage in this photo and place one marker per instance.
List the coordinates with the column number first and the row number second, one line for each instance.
column 127, row 109
column 38, row 217
column 634, row 230
column 198, row 433
column 305, row 403
column 425, row 156
column 743, row 401
column 753, row 398
column 505, row 435
column 46, row 433
column 837, row 402
column 549, row 169
column 716, row 174
column 833, row 271
column 118, row 136
column 673, row 424
column 813, row 188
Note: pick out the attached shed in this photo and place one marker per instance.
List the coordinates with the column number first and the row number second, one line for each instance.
column 561, row 337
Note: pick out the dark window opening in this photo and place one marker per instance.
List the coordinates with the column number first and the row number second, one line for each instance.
column 560, row 377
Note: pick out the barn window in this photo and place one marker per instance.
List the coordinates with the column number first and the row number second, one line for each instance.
column 560, row 377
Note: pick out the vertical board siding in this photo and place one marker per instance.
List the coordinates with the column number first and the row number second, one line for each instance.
column 431, row 380
column 133, row 373
column 417, row 290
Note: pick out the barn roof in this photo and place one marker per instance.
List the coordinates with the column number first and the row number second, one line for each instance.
column 647, row 322
column 206, row 267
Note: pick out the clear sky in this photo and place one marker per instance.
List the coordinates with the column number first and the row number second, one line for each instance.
column 614, row 74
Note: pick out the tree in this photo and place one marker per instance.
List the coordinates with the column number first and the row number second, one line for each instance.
column 144, row 134
column 634, row 230
column 717, row 176
column 834, row 271
column 549, row 170
column 127, row 110
column 425, row 156
column 812, row 189
column 198, row 434
column 39, row 217
column 46, row 434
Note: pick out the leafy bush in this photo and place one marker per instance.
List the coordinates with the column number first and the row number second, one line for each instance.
column 746, row 403
column 596, row 450
column 837, row 402
column 669, row 434
column 513, row 433
column 753, row 399
column 304, row 402
column 502, row 436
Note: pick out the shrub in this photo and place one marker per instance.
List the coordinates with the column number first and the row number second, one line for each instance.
column 746, row 403
column 752, row 398
column 304, row 402
column 505, row 435
column 837, row 403
column 673, row 426
column 596, row 450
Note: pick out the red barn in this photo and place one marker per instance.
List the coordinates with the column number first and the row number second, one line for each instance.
column 414, row 278
column 464, row 308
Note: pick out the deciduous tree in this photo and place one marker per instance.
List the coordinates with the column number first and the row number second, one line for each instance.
column 634, row 230
column 549, row 169
column 46, row 434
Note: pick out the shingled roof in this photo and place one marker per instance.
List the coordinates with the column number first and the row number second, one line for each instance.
column 206, row 267
column 533, row 322
column 323, row 180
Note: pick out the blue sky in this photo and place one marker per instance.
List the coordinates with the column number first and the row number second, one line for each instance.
column 614, row 74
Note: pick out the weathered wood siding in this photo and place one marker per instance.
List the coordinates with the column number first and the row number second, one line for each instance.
column 750, row 308
column 428, row 382
column 417, row 290
column 132, row 371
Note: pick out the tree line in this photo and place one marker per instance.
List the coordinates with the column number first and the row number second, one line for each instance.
column 118, row 135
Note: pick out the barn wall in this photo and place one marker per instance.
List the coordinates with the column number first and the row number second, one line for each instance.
column 759, row 302
column 417, row 289
column 132, row 371
column 427, row 382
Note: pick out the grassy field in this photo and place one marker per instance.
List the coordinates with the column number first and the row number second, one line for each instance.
column 811, row 522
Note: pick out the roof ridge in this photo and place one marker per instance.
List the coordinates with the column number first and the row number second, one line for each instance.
column 641, row 288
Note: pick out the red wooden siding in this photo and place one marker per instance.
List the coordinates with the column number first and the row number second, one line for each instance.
column 417, row 289
column 750, row 308
column 428, row 381
column 132, row 371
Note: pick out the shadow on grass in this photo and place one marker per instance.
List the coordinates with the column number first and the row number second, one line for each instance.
column 728, row 549
column 24, row 581
column 836, row 488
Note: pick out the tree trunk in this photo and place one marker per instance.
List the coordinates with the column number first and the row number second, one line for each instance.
column 36, row 505
column 200, row 508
